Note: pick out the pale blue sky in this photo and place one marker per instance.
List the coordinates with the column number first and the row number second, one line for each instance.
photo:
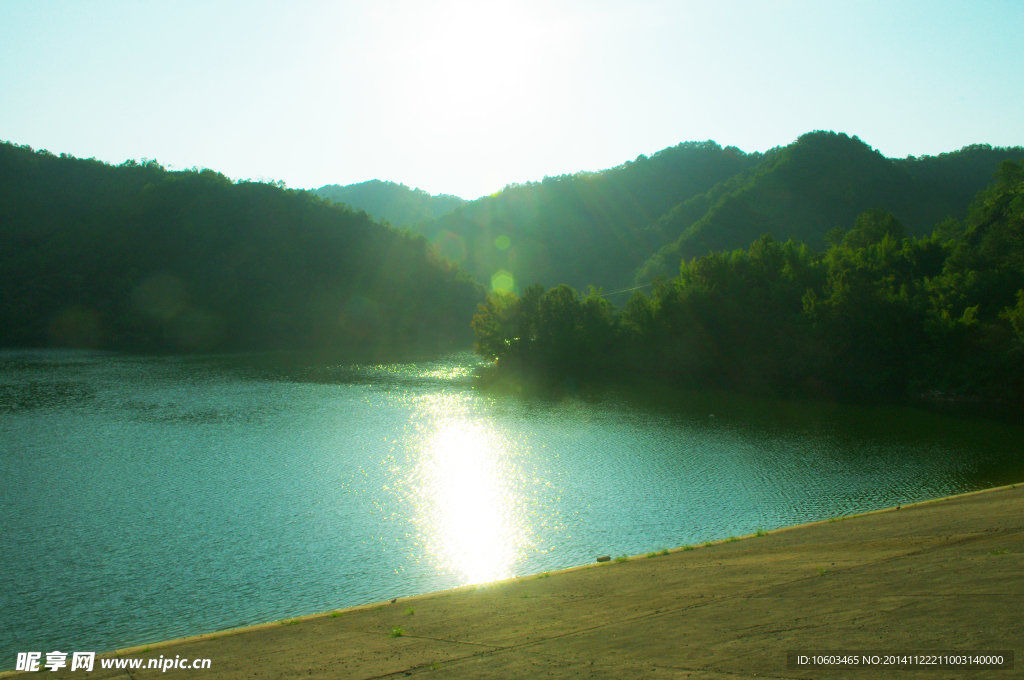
column 466, row 97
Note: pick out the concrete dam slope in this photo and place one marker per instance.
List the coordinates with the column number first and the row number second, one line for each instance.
column 940, row 576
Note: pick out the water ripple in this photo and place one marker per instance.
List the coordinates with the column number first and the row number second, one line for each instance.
column 148, row 498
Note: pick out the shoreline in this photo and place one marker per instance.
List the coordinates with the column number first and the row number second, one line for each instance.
column 491, row 378
column 482, row 607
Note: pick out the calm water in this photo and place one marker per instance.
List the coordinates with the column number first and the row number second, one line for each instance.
column 149, row 498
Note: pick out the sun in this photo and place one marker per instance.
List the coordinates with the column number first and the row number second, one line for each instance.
column 470, row 70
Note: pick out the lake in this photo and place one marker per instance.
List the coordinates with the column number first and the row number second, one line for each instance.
column 146, row 498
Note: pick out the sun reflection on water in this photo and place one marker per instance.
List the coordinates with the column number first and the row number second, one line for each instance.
column 469, row 497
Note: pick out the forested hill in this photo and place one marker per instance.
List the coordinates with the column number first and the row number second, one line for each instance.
column 876, row 315
column 396, row 203
column 138, row 258
column 586, row 228
column 821, row 182
column 639, row 220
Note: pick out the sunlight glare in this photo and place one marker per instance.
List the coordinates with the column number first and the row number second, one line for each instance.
column 469, row 509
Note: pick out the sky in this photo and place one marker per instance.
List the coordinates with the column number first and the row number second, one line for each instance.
column 465, row 98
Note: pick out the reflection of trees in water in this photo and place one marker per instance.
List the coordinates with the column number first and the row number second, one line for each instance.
column 39, row 395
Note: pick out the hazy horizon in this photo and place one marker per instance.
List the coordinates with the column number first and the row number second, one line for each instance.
column 464, row 99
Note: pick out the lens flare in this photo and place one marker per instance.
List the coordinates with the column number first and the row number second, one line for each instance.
column 503, row 281
column 161, row 297
column 451, row 246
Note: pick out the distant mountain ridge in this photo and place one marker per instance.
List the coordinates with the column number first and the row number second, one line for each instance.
column 629, row 224
column 580, row 229
column 396, row 203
